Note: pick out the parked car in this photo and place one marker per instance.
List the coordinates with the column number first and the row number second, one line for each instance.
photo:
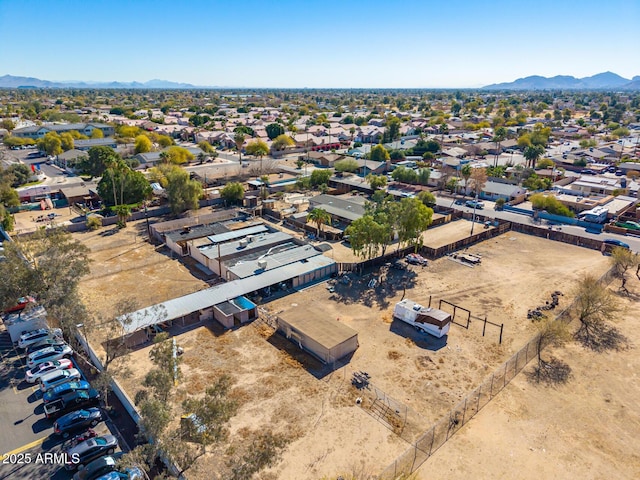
column 474, row 204
column 77, row 421
column 70, row 402
column 53, row 379
column 98, row 467
column 22, row 302
column 42, row 344
column 616, row 243
column 35, row 336
column 415, row 259
column 619, row 173
column 131, row 473
column 629, row 225
column 32, row 376
column 587, row 171
column 91, row 449
column 48, row 354
column 64, row 388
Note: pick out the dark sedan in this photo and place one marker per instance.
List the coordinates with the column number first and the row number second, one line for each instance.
column 78, row 420
column 91, row 449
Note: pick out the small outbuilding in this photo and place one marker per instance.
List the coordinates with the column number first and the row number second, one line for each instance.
column 327, row 339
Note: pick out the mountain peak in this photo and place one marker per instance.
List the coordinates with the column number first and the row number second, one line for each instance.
column 599, row 81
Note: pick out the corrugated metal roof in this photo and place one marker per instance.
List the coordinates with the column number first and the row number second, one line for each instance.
column 243, row 232
column 247, row 266
column 262, row 241
column 182, row 306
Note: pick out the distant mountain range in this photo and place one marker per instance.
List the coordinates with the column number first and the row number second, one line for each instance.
column 600, row 81
column 9, row 81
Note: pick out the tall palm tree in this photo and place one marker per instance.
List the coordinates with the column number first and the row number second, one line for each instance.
column 532, row 154
column 499, row 135
column 320, row 217
column 238, row 138
column 466, row 174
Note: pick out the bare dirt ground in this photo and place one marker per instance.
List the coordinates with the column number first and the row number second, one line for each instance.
column 449, row 232
column 586, row 429
column 281, row 388
column 124, row 265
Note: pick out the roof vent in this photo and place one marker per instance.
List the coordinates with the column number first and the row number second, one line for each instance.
column 262, row 264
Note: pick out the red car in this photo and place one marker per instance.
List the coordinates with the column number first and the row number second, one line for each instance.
column 22, row 302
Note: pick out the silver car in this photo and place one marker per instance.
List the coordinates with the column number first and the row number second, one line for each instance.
column 48, row 354
column 36, row 336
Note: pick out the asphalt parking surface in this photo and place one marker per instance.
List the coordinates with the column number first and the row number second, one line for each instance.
column 28, row 446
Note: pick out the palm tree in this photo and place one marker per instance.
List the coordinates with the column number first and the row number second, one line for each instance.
column 111, row 164
column 499, row 136
column 466, row 174
column 532, row 154
column 123, row 212
column 320, row 217
column 238, row 138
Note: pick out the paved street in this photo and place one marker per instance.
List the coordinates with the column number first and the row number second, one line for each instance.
column 488, row 211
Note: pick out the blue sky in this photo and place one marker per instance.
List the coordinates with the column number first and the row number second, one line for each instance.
column 281, row 43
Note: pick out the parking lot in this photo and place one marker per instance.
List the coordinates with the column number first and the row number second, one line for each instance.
column 26, row 435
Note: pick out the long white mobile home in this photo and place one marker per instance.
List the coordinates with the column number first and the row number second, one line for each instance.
column 430, row 320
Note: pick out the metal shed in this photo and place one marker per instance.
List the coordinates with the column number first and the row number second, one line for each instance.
column 328, row 340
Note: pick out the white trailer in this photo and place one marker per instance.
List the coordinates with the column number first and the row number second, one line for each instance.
column 429, row 320
column 25, row 321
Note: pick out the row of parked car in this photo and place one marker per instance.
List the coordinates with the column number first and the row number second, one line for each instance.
column 73, row 406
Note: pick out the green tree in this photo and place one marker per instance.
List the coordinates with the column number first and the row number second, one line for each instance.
column 123, row 212
column 411, row 219
column 466, row 171
column 397, row 155
column 595, row 307
column 405, row 175
column 233, row 192
column 622, row 259
column 7, row 124
column 551, row 204
column 123, row 184
column 320, row 177
column 367, row 236
column 259, row 149
column 427, row 198
column 179, row 155
column 379, row 154
column 66, row 141
column 50, row 144
column 346, row 165
column 47, row 265
column 274, row 130
column 97, row 133
column 182, row 192
column 97, row 161
column 142, row 144
column 281, row 142
column 206, row 147
column 376, row 181
column 320, row 217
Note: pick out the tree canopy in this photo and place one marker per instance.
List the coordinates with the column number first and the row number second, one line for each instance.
column 379, row 154
column 233, row 192
column 274, row 130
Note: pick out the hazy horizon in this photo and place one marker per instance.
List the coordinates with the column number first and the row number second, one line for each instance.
column 329, row 44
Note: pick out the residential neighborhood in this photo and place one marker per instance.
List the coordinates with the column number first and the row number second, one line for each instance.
column 278, row 241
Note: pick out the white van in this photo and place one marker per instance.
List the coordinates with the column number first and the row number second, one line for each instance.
column 58, row 377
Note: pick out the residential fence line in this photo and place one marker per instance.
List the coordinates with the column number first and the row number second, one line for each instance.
column 434, row 438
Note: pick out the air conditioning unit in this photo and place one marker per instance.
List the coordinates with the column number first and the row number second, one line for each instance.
column 262, row 264
column 243, row 243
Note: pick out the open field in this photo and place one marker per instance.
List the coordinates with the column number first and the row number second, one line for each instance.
column 124, row 265
column 449, row 232
column 586, row 429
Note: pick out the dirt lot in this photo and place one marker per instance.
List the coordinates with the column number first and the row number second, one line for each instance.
column 283, row 389
column 449, row 232
column 586, row 429
column 124, row 265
